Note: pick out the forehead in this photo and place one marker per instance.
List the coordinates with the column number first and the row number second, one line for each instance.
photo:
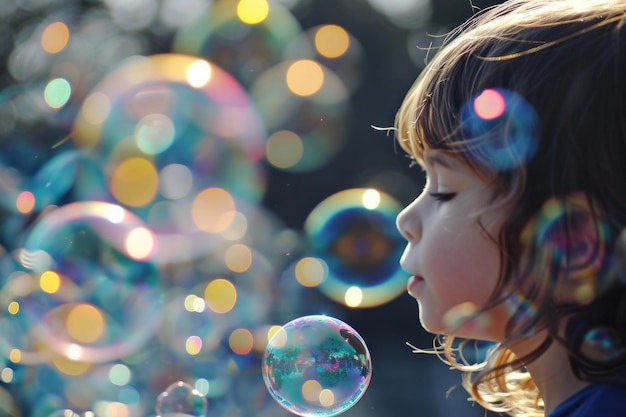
column 441, row 159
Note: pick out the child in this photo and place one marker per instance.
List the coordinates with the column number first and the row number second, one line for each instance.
column 520, row 124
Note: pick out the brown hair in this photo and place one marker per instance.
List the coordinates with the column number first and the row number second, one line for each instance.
column 560, row 66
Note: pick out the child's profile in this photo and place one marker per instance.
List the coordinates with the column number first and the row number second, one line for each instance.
column 519, row 122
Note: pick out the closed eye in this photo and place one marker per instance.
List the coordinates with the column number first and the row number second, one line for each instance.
column 442, row 196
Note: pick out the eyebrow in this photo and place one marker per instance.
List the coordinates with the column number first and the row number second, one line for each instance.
column 440, row 159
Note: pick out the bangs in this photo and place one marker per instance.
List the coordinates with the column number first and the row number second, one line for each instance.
column 493, row 130
column 475, row 99
column 417, row 127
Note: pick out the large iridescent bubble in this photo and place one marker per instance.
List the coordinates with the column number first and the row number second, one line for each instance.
column 353, row 235
column 178, row 143
column 86, row 293
column 316, row 366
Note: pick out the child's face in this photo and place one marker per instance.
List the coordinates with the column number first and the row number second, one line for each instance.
column 455, row 265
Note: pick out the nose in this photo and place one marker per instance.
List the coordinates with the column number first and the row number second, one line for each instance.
column 409, row 222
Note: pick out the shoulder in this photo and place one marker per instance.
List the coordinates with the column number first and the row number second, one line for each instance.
column 596, row 400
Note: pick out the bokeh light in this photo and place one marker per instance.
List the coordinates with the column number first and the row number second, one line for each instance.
column 316, row 366
column 334, row 47
column 305, row 106
column 55, row 37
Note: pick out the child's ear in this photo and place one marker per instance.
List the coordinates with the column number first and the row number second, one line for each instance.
column 571, row 241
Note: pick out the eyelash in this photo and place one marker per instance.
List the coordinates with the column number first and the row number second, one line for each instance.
column 442, row 196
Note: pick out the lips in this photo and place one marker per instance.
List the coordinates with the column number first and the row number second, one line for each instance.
column 413, row 285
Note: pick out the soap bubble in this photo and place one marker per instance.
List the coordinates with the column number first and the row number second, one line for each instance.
column 506, row 125
column 602, row 344
column 316, row 366
column 354, row 233
column 177, row 141
column 181, row 400
column 85, row 289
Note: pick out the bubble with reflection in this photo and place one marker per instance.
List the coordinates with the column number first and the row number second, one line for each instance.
column 353, row 234
column 316, row 366
column 243, row 37
column 179, row 143
column 181, row 400
column 305, row 106
column 501, row 127
column 86, row 293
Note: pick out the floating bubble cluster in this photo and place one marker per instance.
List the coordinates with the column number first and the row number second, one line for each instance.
column 136, row 139
column 316, row 366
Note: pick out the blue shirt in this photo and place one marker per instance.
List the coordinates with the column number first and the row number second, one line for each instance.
column 595, row 400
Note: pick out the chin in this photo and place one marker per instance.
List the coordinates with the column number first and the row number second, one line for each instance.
column 478, row 328
column 430, row 324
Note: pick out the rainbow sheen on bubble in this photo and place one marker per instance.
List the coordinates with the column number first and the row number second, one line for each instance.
column 316, row 366
column 181, row 400
column 86, row 292
column 176, row 140
column 353, row 232
column 501, row 128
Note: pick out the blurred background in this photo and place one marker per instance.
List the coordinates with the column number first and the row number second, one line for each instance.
column 179, row 176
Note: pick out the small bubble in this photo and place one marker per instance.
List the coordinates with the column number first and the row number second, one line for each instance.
column 181, row 400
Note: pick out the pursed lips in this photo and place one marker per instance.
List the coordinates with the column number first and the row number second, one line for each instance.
column 413, row 284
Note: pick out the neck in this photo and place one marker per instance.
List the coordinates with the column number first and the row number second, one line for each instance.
column 551, row 372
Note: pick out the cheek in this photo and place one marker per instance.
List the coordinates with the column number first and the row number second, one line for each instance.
column 461, row 267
